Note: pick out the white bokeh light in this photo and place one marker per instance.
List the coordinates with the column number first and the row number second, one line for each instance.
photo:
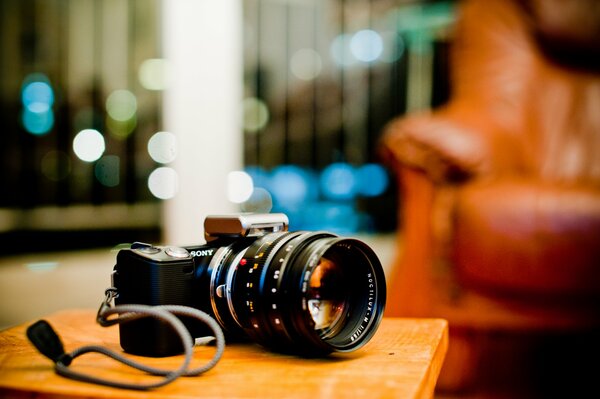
column 260, row 201
column 163, row 183
column 89, row 145
column 162, row 147
column 366, row 45
column 121, row 105
column 239, row 186
column 255, row 114
column 306, row 64
column 152, row 74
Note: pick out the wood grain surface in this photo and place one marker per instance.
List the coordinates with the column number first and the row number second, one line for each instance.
column 402, row 360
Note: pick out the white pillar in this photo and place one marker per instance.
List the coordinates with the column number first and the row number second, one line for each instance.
column 202, row 42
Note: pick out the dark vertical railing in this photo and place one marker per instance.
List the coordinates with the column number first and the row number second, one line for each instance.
column 30, row 191
column 130, row 163
column 64, row 114
column 314, row 109
column 97, row 191
column 371, row 127
column 398, row 77
column 258, row 78
column 341, row 142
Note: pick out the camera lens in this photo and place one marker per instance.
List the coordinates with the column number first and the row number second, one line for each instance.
column 309, row 293
column 327, row 296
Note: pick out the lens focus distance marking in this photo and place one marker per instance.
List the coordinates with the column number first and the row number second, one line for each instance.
column 283, row 324
column 272, row 287
column 251, row 280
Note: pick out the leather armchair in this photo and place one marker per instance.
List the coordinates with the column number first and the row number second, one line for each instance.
column 500, row 189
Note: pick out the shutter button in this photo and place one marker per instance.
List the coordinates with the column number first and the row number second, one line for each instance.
column 177, row 252
column 148, row 250
column 144, row 248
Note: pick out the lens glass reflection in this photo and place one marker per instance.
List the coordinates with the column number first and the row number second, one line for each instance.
column 327, row 297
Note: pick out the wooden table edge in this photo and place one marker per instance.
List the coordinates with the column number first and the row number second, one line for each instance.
column 425, row 389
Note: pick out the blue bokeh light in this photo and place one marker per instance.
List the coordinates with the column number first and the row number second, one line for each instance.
column 372, row 180
column 291, row 185
column 37, row 120
column 339, row 218
column 37, row 93
column 313, row 200
column 37, row 97
column 338, row 182
column 259, row 176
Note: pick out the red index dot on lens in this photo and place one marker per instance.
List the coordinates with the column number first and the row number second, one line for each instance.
column 243, row 262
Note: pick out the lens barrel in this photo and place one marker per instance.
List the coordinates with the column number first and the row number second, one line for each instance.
column 309, row 293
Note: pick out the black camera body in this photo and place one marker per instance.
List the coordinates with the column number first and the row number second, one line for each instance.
column 309, row 293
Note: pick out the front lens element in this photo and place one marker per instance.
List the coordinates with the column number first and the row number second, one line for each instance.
column 327, row 296
column 309, row 293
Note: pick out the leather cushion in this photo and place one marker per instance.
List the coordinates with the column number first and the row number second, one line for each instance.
column 526, row 238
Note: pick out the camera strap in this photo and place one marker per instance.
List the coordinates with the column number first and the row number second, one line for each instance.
column 45, row 339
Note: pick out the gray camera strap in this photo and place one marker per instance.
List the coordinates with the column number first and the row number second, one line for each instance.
column 49, row 344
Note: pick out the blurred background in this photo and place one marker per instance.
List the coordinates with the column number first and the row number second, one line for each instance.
column 130, row 120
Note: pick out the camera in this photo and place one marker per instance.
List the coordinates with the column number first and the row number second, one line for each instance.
column 303, row 292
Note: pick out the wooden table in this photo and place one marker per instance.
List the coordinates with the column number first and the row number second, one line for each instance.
column 402, row 360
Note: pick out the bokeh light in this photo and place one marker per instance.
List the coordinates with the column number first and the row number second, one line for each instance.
column 340, row 50
column 260, row 201
column 121, row 105
column 260, row 176
column 121, row 129
column 37, row 97
column 291, row 185
column 163, row 147
column 89, row 145
column 324, row 200
column 393, row 46
column 107, row 170
column 366, row 45
column 163, row 183
column 37, row 92
column 239, row 186
column 255, row 114
column 372, row 180
column 38, row 119
column 152, row 74
column 339, row 218
column 306, row 64
column 338, row 182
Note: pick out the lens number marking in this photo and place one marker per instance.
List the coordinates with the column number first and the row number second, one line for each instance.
column 369, row 311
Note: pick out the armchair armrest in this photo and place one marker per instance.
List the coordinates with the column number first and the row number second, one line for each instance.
column 449, row 145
